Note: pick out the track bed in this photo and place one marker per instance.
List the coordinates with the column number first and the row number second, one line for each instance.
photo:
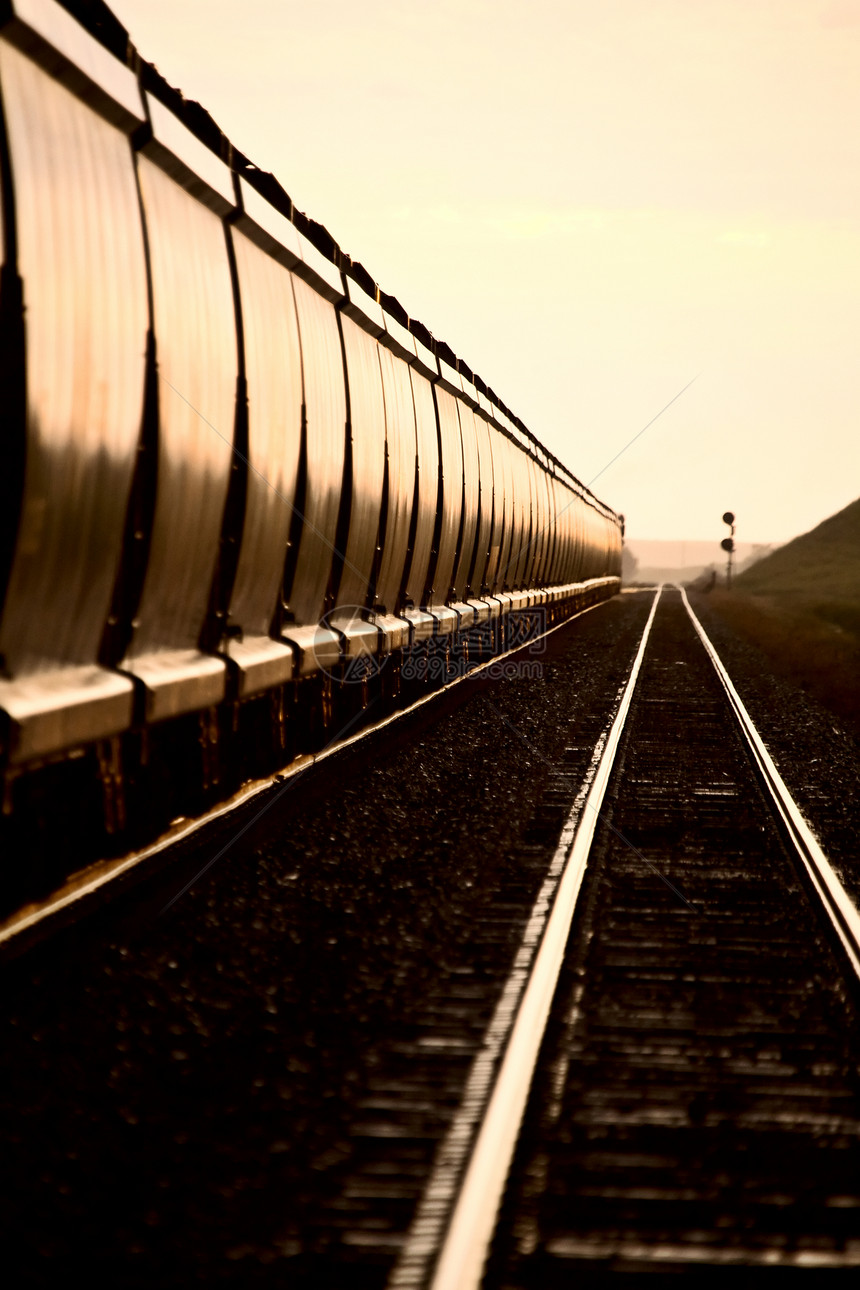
column 251, row 1087
column 697, row 1097
column 255, row 1086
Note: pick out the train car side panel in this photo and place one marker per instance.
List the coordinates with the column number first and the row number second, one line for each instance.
column 274, row 382
column 324, row 440
column 197, row 362
column 401, row 448
column 367, row 425
column 427, row 443
column 471, row 494
column 85, row 343
column 451, row 472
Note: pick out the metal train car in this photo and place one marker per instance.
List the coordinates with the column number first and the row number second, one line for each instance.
column 237, row 474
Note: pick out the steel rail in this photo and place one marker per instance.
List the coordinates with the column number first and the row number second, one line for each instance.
column 835, row 900
column 82, row 888
column 451, row 1233
column 455, row 1260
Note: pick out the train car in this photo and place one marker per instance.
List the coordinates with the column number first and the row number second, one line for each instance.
column 247, row 500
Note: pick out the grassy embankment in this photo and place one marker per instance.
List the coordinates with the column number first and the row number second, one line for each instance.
column 801, row 607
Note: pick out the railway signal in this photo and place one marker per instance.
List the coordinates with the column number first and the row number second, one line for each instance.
column 728, row 545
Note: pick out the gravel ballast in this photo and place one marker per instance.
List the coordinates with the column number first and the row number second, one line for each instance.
column 250, row 1088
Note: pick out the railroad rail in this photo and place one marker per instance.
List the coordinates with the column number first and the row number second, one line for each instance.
column 451, row 1235
column 309, row 1070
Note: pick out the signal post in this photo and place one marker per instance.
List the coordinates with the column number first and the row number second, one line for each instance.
column 728, row 544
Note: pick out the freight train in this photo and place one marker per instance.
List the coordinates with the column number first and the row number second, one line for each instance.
column 244, row 494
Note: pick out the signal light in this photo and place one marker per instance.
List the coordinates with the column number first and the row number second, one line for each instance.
column 728, row 544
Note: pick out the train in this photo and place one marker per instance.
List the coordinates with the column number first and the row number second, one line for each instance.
column 247, row 500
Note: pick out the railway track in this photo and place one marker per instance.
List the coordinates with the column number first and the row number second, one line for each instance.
column 694, row 1081
column 298, row 1074
column 90, row 889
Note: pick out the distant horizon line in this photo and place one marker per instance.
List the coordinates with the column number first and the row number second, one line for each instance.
column 707, row 541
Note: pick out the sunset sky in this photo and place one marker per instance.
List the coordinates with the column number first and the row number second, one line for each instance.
column 594, row 205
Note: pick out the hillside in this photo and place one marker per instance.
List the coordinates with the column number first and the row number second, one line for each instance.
column 818, row 571
column 801, row 607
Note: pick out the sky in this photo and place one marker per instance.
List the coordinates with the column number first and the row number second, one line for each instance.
column 594, row 205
